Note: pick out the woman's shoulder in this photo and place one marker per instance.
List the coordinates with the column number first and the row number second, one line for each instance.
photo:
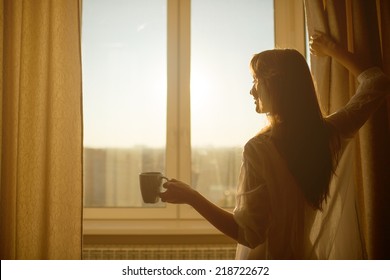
column 258, row 143
column 260, row 138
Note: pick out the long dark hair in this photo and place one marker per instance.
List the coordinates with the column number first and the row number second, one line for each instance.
column 305, row 141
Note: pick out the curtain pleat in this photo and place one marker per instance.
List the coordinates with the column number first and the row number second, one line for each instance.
column 363, row 26
column 374, row 138
column 41, row 176
column 384, row 23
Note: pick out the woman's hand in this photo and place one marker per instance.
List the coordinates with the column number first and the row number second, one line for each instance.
column 322, row 45
column 177, row 192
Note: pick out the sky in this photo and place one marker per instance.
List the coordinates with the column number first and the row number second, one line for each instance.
column 124, row 71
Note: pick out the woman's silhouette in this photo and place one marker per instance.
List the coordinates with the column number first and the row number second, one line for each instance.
column 287, row 167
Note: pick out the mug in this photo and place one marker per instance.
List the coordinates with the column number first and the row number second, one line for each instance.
column 150, row 185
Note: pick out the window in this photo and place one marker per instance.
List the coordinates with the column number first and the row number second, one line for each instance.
column 166, row 88
column 224, row 36
column 124, row 85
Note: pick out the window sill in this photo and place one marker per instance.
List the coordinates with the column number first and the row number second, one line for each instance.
column 149, row 227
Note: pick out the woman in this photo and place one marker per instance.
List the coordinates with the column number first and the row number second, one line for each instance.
column 287, row 168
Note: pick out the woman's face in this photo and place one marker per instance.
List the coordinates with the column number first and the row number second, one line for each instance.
column 260, row 96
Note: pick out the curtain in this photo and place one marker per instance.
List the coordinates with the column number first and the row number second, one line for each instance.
column 41, row 129
column 363, row 27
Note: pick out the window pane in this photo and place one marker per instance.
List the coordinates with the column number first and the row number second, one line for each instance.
column 224, row 37
column 124, row 88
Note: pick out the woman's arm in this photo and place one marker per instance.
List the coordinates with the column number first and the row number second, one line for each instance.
column 372, row 90
column 178, row 192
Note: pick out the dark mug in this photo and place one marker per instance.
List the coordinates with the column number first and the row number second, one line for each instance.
column 150, row 185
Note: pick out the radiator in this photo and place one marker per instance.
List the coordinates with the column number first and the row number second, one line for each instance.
column 160, row 252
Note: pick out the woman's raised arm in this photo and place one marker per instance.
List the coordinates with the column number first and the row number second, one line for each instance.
column 373, row 88
column 322, row 45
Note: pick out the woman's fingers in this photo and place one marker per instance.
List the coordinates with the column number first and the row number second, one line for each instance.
column 165, row 196
column 168, row 183
column 313, row 51
column 176, row 192
column 320, row 44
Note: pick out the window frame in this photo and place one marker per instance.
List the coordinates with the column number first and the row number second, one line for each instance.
column 289, row 33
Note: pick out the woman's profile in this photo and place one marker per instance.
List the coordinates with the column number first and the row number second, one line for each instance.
column 287, row 168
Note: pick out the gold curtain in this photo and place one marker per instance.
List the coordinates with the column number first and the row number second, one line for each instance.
column 41, row 129
column 363, row 27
